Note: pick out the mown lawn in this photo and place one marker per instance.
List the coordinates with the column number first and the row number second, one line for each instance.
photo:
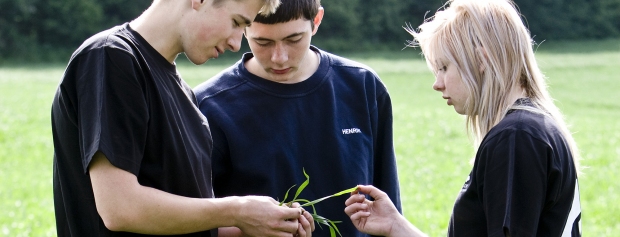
column 431, row 144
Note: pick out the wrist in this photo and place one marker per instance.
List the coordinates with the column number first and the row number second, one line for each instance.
column 398, row 227
column 231, row 209
column 403, row 228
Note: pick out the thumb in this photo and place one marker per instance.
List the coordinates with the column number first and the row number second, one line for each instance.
column 372, row 191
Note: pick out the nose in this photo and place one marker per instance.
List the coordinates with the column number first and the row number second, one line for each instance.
column 234, row 41
column 438, row 85
column 279, row 54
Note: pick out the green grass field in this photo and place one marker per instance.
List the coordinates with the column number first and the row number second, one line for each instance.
column 431, row 144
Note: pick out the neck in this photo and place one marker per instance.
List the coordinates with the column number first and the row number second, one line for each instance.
column 158, row 26
column 311, row 64
column 514, row 95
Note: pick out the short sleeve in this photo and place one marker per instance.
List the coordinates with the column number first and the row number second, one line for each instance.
column 513, row 182
column 112, row 109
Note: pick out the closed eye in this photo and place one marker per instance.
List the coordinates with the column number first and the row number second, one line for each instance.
column 295, row 38
column 241, row 20
column 263, row 43
column 295, row 41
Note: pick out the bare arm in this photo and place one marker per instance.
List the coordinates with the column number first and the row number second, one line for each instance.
column 125, row 205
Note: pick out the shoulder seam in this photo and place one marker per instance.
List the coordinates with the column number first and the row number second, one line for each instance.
column 216, row 93
column 518, row 128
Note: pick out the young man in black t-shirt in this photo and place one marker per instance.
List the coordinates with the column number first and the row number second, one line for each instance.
column 131, row 150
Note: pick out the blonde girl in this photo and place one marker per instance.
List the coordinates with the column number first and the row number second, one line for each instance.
column 524, row 178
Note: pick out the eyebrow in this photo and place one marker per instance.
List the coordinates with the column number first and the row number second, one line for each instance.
column 287, row 37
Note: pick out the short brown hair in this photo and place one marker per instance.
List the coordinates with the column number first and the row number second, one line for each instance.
column 291, row 10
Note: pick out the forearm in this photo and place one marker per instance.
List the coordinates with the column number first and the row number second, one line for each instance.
column 125, row 205
column 152, row 211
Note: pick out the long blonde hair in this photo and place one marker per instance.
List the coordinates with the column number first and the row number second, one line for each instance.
column 489, row 34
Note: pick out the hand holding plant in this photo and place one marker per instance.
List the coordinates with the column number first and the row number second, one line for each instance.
column 333, row 229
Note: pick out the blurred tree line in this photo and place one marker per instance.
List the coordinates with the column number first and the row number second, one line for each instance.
column 37, row 30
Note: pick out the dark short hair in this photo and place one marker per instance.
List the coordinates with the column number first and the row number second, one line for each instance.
column 290, row 10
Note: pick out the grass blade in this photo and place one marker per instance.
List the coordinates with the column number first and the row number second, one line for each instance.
column 303, row 185
column 286, row 195
column 333, row 226
column 345, row 191
column 333, row 195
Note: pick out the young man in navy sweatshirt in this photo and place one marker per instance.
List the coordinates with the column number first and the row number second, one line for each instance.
column 288, row 106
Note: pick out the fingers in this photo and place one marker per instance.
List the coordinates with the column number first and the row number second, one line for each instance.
column 292, row 213
column 310, row 220
column 372, row 191
column 305, row 217
column 359, row 215
column 297, row 206
column 290, row 226
column 288, row 219
column 301, row 232
column 305, row 228
column 305, row 220
column 355, row 208
column 263, row 216
column 356, row 191
column 375, row 193
column 355, row 198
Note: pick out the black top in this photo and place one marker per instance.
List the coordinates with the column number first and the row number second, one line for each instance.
column 337, row 125
column 121, row 97
column 523, row 182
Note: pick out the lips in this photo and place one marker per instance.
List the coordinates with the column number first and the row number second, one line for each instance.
column 282, row 71
column 218, row 52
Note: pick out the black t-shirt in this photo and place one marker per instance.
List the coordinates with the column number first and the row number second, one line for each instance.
column 121, row 97
column 523, row 182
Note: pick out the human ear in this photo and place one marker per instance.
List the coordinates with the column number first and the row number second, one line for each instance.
column 317, row 19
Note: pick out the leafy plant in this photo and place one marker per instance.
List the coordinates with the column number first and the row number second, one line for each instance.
column 333, row 229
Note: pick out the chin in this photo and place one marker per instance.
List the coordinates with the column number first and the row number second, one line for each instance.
column 197, row 61
column 459, row 111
